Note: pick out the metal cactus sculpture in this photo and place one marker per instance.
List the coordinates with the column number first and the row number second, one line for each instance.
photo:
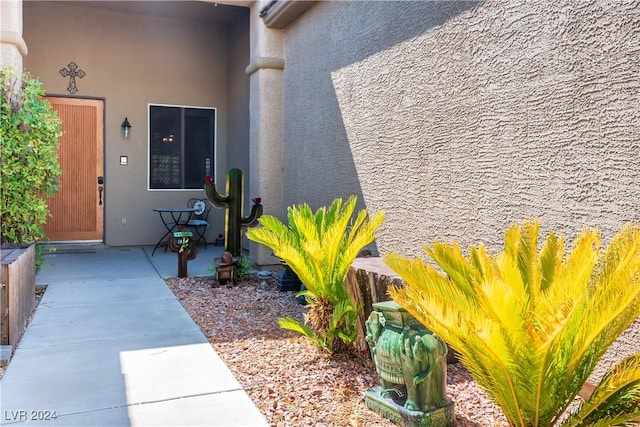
column 232, row 202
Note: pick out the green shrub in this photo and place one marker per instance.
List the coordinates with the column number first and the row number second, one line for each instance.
column 244, row 266
column 29, row 169
column 320, row 248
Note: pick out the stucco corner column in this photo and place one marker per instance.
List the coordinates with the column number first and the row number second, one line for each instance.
column 265, row 128
column 12, row 45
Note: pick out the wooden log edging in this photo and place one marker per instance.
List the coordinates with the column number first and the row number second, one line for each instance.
column 367, row 282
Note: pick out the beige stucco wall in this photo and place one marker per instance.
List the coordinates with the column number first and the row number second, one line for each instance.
column 238, row 99
column 458, row 119
column 12, row 45
column 131, row 60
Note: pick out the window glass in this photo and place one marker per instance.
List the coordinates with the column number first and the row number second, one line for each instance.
column 181, row 146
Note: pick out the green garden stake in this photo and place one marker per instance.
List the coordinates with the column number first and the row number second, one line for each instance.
column 181, row 243
column 232, row 202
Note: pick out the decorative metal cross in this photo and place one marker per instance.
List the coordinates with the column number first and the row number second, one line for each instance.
column 72, row 74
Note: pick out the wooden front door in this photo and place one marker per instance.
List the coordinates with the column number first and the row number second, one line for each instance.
column 77, row 209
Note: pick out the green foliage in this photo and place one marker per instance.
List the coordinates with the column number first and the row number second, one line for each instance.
column 531, row 324
column 41, row 252
column 320, row 248
column 244, row 266
column 29, row 169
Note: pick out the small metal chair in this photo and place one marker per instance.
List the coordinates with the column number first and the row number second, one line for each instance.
column 200, row 218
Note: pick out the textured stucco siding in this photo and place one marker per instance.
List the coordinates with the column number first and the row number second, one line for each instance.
column 458, row 119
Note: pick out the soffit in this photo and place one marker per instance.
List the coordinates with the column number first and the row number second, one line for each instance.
column 196, row 11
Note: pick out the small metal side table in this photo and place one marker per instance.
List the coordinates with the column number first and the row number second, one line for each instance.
column 172, row 218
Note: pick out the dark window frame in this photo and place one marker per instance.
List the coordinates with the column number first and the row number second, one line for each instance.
column 168, row 147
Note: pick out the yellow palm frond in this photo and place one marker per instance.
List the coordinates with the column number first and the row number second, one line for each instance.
column 333, row 237
column 616, row 400
column 358, row 238
column 529, row 323
column 455, row 266
column 319, row 248
column 446, row 310
column 523, row 253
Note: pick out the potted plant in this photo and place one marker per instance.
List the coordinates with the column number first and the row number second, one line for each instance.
column 531, row 324
column 320, row 247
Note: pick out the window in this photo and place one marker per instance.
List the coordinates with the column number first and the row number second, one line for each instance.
column 181, row 146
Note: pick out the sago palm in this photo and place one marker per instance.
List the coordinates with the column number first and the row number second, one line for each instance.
column 320, row 247
column 531, row 324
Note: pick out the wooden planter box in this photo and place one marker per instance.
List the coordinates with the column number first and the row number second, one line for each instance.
column 17, row 297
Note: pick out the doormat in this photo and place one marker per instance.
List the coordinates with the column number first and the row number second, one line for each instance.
column 72, row 249
column 65, row 251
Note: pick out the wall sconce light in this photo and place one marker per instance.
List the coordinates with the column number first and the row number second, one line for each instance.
column 126, row 127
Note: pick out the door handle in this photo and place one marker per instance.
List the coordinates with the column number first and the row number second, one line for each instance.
column 100, row 189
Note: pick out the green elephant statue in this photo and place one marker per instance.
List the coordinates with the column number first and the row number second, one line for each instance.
column 409, row 359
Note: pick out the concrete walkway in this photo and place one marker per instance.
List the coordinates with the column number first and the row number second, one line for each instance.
column 110, row 345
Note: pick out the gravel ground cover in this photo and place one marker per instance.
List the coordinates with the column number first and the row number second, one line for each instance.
column 289, row 380
column 293, row 383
